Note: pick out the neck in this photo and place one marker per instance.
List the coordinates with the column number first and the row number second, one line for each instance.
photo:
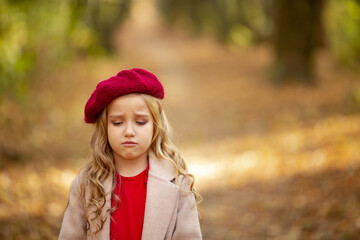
column 131, row 167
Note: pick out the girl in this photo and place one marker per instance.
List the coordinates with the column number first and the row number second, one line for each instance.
column 136, row 185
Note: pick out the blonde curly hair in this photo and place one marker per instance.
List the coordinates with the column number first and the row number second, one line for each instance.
column 101, row 164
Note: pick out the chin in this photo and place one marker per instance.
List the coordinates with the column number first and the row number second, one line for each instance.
column 131, row 156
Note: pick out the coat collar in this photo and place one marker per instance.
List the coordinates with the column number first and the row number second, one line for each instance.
column 160, row 167
column 161, row 199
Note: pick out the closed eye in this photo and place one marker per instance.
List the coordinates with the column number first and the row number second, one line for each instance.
column 117, row 123
column 141, row 123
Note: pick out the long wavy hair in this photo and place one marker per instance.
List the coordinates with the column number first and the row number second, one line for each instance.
column 102, row 165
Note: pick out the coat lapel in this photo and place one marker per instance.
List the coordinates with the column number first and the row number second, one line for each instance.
column 161, row 199
column 104, row 234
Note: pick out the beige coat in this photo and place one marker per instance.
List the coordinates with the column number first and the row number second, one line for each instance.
column 169, row 212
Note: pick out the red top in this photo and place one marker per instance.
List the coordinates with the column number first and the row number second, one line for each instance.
column 127, row 221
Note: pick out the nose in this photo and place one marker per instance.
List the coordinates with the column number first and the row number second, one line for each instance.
column 129, row 131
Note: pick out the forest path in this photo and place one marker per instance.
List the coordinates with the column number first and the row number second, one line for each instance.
column 270, row 162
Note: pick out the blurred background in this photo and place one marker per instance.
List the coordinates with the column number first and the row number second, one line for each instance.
column 263, row 96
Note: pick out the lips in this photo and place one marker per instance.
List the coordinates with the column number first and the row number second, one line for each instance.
column 129, row 144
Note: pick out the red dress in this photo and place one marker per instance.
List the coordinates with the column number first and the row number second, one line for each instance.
column 127, row 221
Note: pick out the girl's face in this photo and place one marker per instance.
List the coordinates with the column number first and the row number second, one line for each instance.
column 129, row 127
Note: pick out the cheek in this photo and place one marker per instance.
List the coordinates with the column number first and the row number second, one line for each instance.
column 109, row 131
column 111, row 135
column 149, row 131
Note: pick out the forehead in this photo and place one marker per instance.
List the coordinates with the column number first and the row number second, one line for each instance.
column 128, row 103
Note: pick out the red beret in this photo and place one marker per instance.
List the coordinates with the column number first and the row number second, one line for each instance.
column 135, row 80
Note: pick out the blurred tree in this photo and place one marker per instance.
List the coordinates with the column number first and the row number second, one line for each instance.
column 295, row 29
column 343, row 28
column 239, row 21
column 34, row 34
column 297, row 25
column 104, row 17
column 256, row 16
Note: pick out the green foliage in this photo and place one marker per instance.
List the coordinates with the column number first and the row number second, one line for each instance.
column 39, row 34
column 15, row 56
column 343, row 26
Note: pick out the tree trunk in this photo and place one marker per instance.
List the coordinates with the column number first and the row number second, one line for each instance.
column 296, row 34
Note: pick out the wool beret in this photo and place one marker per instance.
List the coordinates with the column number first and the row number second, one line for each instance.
column 134, row 80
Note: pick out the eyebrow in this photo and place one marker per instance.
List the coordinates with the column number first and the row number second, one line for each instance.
column 136, row 114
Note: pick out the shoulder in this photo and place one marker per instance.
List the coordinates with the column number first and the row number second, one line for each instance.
column 165, row 169
column 78, row 185
column 185, row 183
